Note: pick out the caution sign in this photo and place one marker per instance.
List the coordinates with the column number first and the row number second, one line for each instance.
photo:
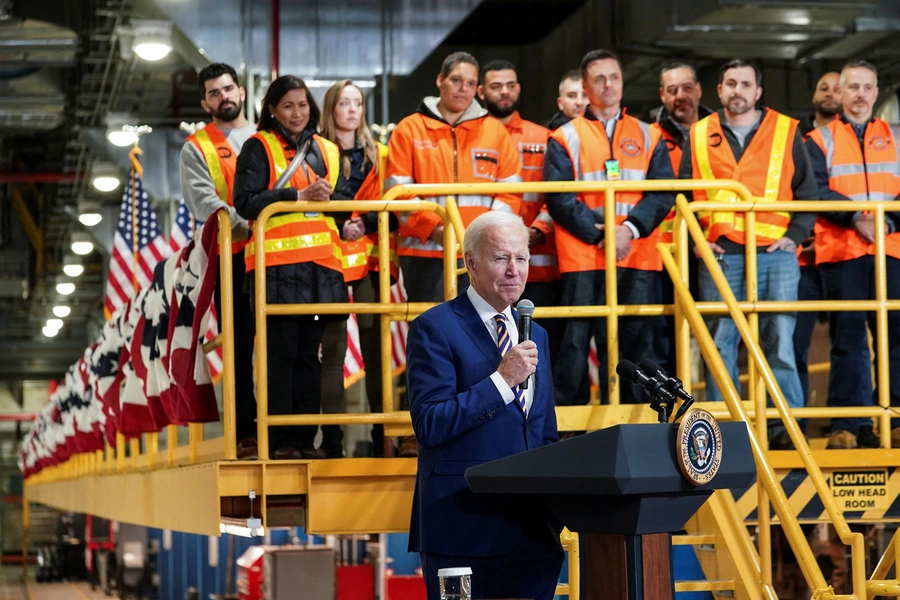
column 860, row 490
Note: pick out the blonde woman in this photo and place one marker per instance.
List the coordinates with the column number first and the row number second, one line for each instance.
column 360, row 178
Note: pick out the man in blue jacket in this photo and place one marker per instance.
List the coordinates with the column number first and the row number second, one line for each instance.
column 464, row 371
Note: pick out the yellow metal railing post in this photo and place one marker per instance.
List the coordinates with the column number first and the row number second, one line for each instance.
column 882, row 371
column 171, row 444
column 612, row 297
column 134, row 445
column 450, row 278
column 226, row 331
column 195, row 436
column 26, row 534
column 682, row 329
column 262, row 338
column 152, row 449
column 120, row 452
column 384, row 320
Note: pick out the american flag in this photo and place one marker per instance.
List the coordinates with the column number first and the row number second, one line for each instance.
column 182, row 233
column 133, row 256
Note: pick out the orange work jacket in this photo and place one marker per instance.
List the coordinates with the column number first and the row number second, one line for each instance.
column 299, row 237
column 766, row 168
column 530, row 139
column 589, row 148
column 426, row 149
column 861, row 175
column 221, row 160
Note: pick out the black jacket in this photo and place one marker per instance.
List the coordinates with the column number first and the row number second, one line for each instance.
column 803, row 183
column 557, row 121
column 298, row 283
column 665, row 121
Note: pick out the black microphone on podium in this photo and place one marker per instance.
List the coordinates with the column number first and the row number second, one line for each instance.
column 653, row 386
column 672, row 384
column 525, row 308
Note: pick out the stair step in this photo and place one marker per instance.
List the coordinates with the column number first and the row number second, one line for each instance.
column 704, row 586
column 693, row 540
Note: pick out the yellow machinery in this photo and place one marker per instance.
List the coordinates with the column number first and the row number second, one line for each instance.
column 200, row 488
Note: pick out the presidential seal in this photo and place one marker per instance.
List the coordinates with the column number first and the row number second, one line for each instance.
column 699, row 446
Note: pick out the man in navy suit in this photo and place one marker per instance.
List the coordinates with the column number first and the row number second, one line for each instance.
column 467, row 408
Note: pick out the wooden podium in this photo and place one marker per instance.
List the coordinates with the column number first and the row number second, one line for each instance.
column 622, row 490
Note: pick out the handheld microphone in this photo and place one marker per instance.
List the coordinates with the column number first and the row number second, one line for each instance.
column 672, row 384
column 525, row 308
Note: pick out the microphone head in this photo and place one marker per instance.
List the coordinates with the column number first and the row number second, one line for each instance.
column 648, row 366
column 525, row 308
column 627, row 370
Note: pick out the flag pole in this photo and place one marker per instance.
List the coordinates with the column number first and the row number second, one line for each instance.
column 136, row 171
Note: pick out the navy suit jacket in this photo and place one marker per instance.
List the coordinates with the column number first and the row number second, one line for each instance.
column 461, row 420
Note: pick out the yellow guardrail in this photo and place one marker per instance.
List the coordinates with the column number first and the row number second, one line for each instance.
column 688, row 316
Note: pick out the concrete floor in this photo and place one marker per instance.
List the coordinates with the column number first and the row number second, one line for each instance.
column 12, row 588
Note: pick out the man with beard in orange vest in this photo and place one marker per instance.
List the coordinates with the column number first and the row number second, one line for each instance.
column 764, row 150
column 208, row 161
column 499, row 92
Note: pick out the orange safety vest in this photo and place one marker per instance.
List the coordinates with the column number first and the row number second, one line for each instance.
column 299, row 237
column 372, row 188
column 863, row 176
column 531, row 141
column 766, row 168
column 424, row 149
column 589, row 148
column 675, row 152
column 221, row 160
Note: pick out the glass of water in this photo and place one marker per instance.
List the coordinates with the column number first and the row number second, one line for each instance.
column 456, row 583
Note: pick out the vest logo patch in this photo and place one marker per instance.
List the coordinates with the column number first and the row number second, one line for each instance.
column 424, row 144
column 630, row 147
column 879, row 143
column 715, row 140
column 224, row 153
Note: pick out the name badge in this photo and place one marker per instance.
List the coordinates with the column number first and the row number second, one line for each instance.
column 612, row 170
column 311, row 215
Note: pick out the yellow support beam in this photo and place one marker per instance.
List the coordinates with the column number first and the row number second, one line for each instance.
column 32, row 231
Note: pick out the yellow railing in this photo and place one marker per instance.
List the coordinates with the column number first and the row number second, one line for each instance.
column 762, row 380
column 688, row 316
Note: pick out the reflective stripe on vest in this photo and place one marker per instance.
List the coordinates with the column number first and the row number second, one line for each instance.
column 300, row 237
column 212, row 163
column 736, row 220
column 208, row 148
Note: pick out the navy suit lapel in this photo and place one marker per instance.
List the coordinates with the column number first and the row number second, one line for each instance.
column 474, row 327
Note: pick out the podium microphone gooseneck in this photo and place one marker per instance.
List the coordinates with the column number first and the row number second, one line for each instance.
column 661, row 398
column 674, row 385
column 525, row 308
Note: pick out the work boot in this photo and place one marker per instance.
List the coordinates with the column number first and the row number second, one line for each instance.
column 409, row 447
column 866, row 438
column 841, row 440
column 247, row 449
column 781, row 441
column 895, row 437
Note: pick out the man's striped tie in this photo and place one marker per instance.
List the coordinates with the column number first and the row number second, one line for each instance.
column 505, row 344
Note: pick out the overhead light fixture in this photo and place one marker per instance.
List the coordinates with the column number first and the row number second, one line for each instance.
column 65, row 288
column 55, row 323
column 49, row 331
column 105, row 176
column 81, row 243
column 118, row 131
column 62, row 311
column 72, row 266
column 241, row 531
column 89, row 212
column 152, row 38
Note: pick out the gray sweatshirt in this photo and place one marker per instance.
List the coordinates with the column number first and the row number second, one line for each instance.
column 198, row 188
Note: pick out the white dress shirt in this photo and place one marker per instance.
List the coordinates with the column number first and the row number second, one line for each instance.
column 486, row 313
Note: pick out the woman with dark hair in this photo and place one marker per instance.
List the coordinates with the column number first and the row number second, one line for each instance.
column 361, row 177
column 303, row 251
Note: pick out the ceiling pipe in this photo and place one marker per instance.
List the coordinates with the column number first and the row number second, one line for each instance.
column 39, row 177
column 276, row 36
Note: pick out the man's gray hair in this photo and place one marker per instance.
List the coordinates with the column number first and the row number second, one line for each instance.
column 477, row 229
column 859, row 64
